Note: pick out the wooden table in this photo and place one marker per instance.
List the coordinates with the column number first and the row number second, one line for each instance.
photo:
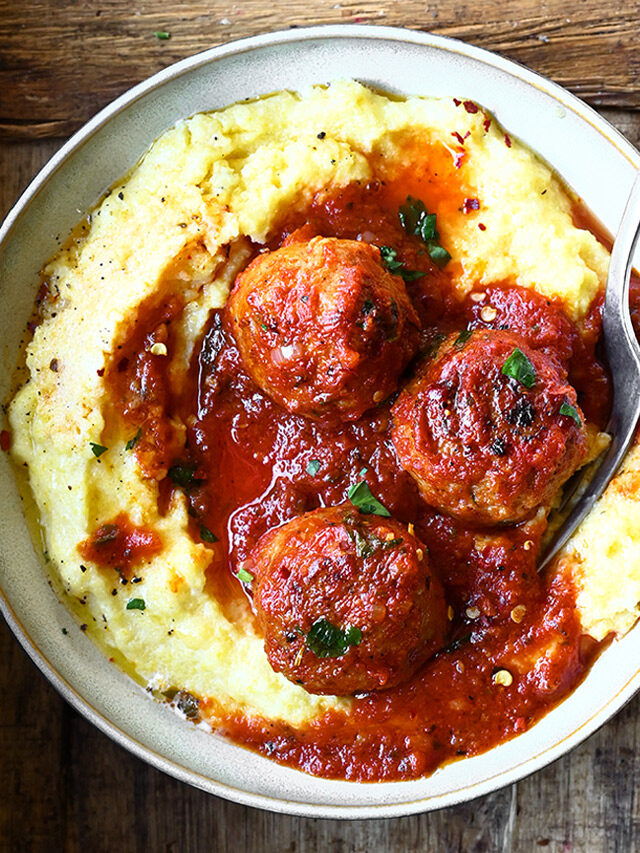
column 64, row 785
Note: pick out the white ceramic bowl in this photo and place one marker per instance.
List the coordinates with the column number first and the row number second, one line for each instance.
column 591, row 156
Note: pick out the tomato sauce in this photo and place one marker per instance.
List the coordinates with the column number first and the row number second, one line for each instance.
column 515, row 646
column 121, row 545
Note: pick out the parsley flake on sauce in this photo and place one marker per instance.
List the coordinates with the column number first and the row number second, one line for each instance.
column 182, row 475
column 390, row 260
column 462, row 338
column 134, row 440
column 206, row 535
column 327, row 641
column 362, row 498
column 570, row 412
column 98, row 449
column 415, row 219
column 313, row 467
column 244, row 576
column 520, row 368
column 136, row 604
column 367, row 543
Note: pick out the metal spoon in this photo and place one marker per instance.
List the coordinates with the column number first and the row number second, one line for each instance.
column 623, row 354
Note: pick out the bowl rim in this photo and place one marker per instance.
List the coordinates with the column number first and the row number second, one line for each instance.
column 65, row 689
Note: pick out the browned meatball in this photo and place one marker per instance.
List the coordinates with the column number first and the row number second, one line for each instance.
column 322, row 327
column 490, row 429
column 347, row 602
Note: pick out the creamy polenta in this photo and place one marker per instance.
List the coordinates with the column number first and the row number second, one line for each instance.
column 184, row 223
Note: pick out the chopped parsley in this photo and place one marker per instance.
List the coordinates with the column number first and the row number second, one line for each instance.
column 244, row 576
column 206, row 535
column 390, row 260
column 438, row 254
column 457, row 644
column 327, row 641
column 136, row 604
column 368, row 543
column 520, row 368
column 570, row 412
column 134, row 440
column 462, row 338
column 162, row 35
column 434, row 345
column 98, row 449
column 182, row 475
column 415, row 219
column 313, row 467
column 361, row 497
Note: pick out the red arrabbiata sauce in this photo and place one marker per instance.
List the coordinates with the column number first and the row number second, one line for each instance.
column 514, row 645
column 120, row 545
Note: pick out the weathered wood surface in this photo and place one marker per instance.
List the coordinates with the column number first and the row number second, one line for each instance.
column 61, row 62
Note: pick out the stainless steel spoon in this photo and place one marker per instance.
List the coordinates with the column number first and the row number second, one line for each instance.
column 623, row 354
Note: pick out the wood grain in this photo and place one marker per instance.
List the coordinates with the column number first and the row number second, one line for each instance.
column 65, row 787
column 61, row 62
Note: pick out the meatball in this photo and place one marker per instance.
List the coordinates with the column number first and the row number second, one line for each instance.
column 489, row 429
column 322, row 327
column 347, row 602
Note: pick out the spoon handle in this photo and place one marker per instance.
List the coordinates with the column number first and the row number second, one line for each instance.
column 623, row 354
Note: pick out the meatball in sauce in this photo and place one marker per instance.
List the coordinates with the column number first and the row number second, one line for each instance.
column 348, row 602
column 490, row 429
column 266, row 481
column 322, row 327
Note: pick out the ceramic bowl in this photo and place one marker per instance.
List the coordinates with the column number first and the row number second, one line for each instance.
column 591, row 156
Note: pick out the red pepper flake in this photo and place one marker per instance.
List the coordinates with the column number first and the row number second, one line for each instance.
column 457, row 102
column 457, row 137
column 5, row 440
column 470, row 204
column 458, row 157
column 507, row 140
column 100, row 372
column 468, row 133
column 470, row 107
column 482, row 227
column 486, row 124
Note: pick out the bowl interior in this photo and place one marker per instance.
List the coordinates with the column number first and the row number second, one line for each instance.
column 555, row 124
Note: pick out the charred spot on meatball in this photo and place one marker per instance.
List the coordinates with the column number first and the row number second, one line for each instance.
column 489, row 429
column 348, row 603
column 322, row 327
